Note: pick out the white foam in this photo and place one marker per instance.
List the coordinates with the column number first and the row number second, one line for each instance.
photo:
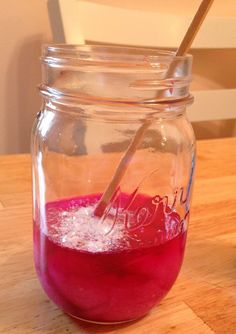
column 78, row 228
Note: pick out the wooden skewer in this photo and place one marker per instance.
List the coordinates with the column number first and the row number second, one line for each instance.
column 124, row 163
column 121, row 169
column 194, row 27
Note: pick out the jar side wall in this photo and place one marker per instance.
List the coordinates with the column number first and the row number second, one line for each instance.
column 73, row 156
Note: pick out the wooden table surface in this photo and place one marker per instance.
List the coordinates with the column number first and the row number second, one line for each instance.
column 203, row 300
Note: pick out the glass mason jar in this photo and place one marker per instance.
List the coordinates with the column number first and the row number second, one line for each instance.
column 113, row 163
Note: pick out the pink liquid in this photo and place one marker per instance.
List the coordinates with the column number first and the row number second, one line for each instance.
column 110, row 278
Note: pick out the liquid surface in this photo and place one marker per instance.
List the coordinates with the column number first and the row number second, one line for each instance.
column 108, row 270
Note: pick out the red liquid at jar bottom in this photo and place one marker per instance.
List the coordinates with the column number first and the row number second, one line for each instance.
column 113, row 279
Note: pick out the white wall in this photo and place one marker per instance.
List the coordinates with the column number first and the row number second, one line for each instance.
column 220, row 7
column 24, row 26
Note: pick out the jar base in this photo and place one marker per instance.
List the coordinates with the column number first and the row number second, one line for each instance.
column 108, row 322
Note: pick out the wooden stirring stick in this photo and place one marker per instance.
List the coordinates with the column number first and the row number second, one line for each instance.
column 121, row 169
column 124, row 163
column 194, row 27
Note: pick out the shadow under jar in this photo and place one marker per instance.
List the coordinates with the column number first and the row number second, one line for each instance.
column 114, row 266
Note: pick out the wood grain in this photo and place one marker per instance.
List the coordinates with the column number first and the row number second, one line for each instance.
column 202, row 301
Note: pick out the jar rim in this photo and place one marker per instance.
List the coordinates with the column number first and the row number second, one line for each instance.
column 119, row 74
column 112, row 56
